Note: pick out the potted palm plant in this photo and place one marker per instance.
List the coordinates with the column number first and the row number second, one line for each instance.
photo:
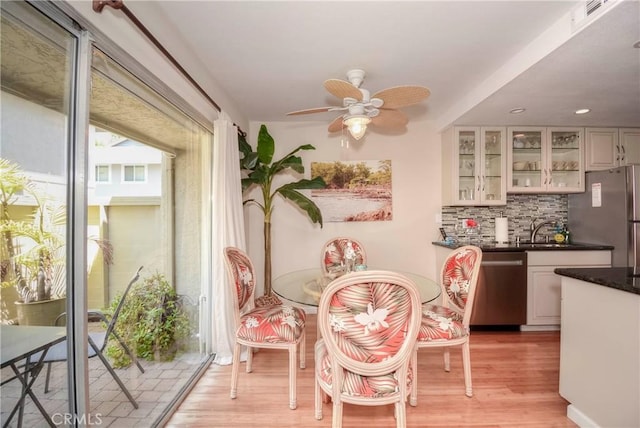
column 31, row 248
column 260, row 169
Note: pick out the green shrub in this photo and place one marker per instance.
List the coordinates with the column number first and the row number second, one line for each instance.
column 152, row 323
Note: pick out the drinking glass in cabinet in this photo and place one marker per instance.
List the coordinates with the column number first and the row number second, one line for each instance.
column 467, row 147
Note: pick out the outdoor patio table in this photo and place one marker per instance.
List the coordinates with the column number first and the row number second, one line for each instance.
column 19, row 344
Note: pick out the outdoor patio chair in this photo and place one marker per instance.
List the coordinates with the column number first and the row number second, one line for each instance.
column 97, row 343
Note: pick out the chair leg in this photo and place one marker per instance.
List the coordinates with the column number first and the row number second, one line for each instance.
column 319, row 396
column 249, row 359
column 303, row 350
column 113, row 373
column 128, row 351
column 401, row 414
column 46, row 379
column 235, row 366
column 466, row 364
column 413, row 398
column 293, row 360
column 337, row 414
column 447, row 360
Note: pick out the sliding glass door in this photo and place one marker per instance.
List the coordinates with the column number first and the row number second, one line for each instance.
column 38, row 82
column 113, row 201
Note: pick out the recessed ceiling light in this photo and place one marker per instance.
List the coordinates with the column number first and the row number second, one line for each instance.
column 517, row 110
column 583, row 111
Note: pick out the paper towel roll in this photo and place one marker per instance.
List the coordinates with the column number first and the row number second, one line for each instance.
column 502, row 230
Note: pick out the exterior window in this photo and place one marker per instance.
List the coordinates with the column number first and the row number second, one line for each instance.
column 135, row 173
column 103, row 174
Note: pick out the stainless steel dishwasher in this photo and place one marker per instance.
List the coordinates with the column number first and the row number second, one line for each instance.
column 501, row 294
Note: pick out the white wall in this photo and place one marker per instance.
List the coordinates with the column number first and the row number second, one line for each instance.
column 403, row 243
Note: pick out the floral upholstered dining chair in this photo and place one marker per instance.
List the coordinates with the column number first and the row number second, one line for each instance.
column 369, row 323
column 338, row 252
column 268, row 326
column 447, row 325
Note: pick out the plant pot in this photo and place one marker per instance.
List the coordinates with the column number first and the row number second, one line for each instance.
column 40, row 313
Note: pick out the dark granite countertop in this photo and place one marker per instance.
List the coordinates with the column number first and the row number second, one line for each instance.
column 620, row 278
column 490, row 246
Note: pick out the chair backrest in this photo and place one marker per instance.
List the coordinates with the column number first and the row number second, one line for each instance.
column 334, row 250
column 369, row 321
column 241, row 274
column 116, row 313
column 458, row 280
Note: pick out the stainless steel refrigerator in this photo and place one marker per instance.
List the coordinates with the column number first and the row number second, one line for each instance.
column 608, row 213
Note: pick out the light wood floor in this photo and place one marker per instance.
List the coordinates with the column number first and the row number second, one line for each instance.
column 515, row 384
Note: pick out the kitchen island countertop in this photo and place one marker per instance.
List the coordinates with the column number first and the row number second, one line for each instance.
column 619, row 278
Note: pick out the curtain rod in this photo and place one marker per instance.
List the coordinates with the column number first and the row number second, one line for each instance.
column 98, row 5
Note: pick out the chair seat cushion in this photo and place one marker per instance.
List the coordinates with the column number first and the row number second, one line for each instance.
column 441, row 323
column 272, row 324
column 355, row 385
column 58, row 352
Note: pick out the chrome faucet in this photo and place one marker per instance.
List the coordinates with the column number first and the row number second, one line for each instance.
column 533, row 228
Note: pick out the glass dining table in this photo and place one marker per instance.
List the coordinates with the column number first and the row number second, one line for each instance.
column 305, row 286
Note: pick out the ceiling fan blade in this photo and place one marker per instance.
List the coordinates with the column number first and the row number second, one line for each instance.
column 390, row 119
column 342, row 89
column 310, row 110
column 336, row 125
column 401, row 96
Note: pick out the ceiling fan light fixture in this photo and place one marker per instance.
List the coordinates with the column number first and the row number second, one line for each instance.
column 357, row 125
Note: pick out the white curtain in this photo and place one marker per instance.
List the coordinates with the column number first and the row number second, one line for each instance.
column 227, row 229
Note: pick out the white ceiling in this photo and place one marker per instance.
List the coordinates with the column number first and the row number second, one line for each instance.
column 479, row 58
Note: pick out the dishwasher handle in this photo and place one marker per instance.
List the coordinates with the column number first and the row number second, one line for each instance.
column 501, row 263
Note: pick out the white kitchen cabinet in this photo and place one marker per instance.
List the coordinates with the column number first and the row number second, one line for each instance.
column 474, row 166
column 611, row 147
column 543, row 285
column 545, row 160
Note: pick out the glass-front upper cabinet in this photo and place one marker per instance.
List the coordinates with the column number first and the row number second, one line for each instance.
column 526, row 165
column 478, row 166
column 566, row 153
column 545, row 160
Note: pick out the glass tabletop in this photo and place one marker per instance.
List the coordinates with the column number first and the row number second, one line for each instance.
column 304, row 286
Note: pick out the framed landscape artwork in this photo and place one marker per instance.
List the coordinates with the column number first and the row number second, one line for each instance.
column 356, row 190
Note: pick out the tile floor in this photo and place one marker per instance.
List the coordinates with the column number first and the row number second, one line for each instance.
column 153, row 390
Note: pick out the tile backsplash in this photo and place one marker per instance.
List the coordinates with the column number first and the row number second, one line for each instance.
column 520, row 210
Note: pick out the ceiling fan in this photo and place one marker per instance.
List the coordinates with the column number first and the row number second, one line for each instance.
column 361, row 109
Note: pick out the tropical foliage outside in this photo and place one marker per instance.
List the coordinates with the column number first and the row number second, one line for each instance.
column 153, row 323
